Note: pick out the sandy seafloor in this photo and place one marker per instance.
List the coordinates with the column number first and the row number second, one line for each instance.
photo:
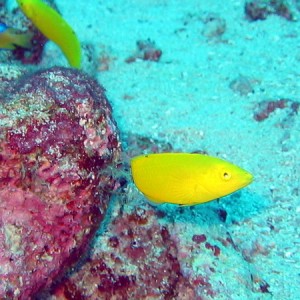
column 185, row 99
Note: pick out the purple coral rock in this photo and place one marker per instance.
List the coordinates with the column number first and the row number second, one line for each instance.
column 57, row 134
column 143, row 265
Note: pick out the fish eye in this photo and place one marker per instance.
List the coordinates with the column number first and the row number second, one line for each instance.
column 226, row 175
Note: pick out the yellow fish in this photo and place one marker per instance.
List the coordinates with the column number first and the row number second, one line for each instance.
column 11, row 38
column 51, row 24
column 186, row 179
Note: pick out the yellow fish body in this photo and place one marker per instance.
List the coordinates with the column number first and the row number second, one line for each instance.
column 11, row 38
column 186, row 179
column 54, row 27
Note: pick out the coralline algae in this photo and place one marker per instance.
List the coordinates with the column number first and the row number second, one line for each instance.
column 57, row 134
column 140, row 261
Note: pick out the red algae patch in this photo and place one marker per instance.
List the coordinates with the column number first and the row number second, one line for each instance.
column 147, row 50
column 140, row 262
column 57, row 134
column 267, row 107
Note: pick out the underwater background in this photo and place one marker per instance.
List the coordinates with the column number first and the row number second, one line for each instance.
column 214, row 77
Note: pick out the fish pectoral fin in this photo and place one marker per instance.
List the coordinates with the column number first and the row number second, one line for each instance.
column 181, row 191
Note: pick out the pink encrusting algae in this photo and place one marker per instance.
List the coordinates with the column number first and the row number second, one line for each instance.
column 57, row 134
column 140, row 262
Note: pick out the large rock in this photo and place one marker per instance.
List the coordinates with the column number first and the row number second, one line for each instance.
column 57, row 137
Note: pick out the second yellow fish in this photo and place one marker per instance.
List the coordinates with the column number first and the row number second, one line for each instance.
column 11, row 38
column 51, row 24
column 186, row 179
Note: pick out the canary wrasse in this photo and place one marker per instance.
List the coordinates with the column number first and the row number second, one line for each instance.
column 185, row 178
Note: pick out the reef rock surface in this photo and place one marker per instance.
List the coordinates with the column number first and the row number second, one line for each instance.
column 57, row 136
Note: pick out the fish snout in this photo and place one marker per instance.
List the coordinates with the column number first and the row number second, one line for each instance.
column 247, row 178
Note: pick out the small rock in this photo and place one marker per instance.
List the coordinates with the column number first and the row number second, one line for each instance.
column 214, row 26
column 242, row 85
column 146, row 50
